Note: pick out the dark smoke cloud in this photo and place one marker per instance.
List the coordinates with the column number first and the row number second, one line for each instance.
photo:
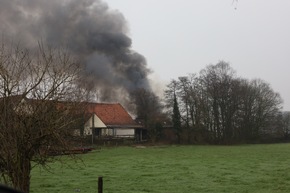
column 90, row 30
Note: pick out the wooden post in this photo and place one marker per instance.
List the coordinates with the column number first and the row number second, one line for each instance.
column 100, row 184
column 93, row 129
column 141, row 136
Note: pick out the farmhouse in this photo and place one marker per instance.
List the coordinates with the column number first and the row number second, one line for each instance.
column 93, row 120
column 106, row 120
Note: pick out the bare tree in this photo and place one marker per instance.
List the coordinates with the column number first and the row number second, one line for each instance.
column 281, row 127
column 266, row 107
column 39, row 101
column 217, row 80
column 183, row 90
column 149, row 112
column 286, row 124
column 187, row 90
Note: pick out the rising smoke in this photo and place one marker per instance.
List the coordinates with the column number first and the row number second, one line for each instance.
column 90, row 30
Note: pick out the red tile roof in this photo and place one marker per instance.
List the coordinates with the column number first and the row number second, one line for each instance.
column 111, row 114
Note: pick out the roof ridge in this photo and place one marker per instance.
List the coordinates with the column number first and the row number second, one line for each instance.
column 106, row 103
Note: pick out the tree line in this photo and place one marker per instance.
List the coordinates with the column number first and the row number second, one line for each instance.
column 214, row 106
column 217, row 106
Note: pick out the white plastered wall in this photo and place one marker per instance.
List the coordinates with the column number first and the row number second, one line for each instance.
column 93, row 121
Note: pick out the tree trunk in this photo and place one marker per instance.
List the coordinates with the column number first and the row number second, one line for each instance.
column 21, row 176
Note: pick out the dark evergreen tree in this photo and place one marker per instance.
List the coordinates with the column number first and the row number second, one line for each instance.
column 176, row 119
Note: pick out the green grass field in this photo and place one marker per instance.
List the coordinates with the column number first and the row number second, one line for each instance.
column 172, row 169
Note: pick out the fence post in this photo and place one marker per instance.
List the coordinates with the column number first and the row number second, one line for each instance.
column 100, row 184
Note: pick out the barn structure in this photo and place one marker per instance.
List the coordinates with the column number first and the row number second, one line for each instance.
column 111, row 120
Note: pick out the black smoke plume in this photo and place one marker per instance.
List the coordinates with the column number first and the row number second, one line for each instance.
column 90, row 30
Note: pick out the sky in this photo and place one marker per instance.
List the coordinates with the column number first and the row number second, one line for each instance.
column 178, row 37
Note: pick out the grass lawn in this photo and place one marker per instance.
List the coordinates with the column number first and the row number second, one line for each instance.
column 172, row 169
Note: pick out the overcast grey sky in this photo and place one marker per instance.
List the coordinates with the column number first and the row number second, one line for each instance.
column 178, row 37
